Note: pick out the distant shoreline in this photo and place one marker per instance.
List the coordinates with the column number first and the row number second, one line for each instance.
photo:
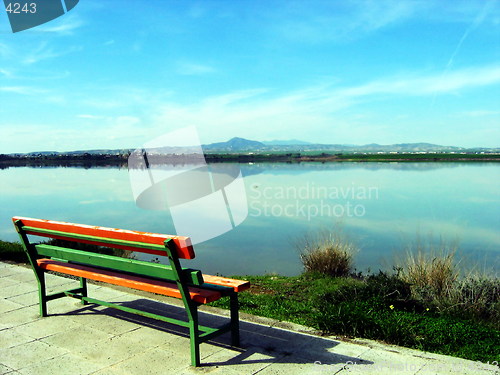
column 110, row 160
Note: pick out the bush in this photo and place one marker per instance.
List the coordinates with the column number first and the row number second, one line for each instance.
column 12, row 251
column 391, row 289
column 477, row 297
column 328, row 253
column 433, row 275
column 89, row 247
column 358, row 312
column 430, row 270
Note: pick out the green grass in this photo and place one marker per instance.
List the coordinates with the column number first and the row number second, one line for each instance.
column 420, row 157
column 379, row 307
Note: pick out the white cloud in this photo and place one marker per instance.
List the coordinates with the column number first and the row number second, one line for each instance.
column 429, row 228
column 66, row 26
column 340, row 21
column 480, row 113
column 118, row 97
column 348, row 20
column 127, row 121
column 110, row 132
column 191, row 69
column 430, row 84
column 231, row 98
column 126, row 116
column 5, row 50
column 20, row 74
column 6, row 73
column 247, row 114
column 22, row 90
column 91, row 117
column 45, row 52
column 261, row 113
column 463, row 11
column 487, row 8
column 197, row 11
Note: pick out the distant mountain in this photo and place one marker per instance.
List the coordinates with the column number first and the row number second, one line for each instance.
column 278, row 142
column 407, row 147
column 293, row 145
column 234, row 145
column 373, row 147
column 242, row 145
column 91, row 152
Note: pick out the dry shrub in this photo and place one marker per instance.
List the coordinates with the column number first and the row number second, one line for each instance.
column 479, row 296
column 434, row 276
column 327, row 252
column 431, row 269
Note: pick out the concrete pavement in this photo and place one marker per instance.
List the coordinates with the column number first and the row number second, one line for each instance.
column 76, row 339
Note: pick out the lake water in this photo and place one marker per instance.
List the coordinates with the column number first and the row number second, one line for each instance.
column 382, row 207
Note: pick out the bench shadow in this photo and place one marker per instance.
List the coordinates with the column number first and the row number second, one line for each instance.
column 269, row 343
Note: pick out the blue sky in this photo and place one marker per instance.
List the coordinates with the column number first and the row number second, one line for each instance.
column 115, row 74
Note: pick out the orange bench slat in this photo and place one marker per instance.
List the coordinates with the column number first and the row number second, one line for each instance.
column 130, row 281
column 237, row 285
column 184, row 247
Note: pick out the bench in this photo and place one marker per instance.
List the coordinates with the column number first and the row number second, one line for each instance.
column 190, row 285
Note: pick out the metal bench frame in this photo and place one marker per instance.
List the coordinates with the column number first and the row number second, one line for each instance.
column 188, row 281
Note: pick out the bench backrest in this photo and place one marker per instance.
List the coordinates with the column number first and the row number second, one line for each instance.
column 151, row 243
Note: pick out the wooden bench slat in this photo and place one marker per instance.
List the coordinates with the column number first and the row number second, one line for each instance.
column 237, row 285
column 149, row 269
column 98, row 241
column 135, row 282
column 184, row 247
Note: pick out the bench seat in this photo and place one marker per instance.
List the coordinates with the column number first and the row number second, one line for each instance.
column 165, row 288
column 71, row 251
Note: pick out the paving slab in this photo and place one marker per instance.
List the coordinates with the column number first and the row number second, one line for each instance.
column 6, row 281
column 8, row 269
column 20, row 316
column 101, row 319
column 11, row 337
column 24, row 276
column 49, row 326
column 77, row 339
column 60, row 366
column 249, row 361
column 152, row 362
column 27, row 354
column 7, row 305
column 385, row 362
column 110, row 371
column 5, row 370
column 16, row 289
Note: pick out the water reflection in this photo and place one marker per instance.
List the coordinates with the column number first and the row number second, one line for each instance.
column 382, row 206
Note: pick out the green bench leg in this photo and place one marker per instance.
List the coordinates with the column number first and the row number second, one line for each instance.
column 42, row 294
column 194, row 337
column 235, row 323
column 83, row 285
